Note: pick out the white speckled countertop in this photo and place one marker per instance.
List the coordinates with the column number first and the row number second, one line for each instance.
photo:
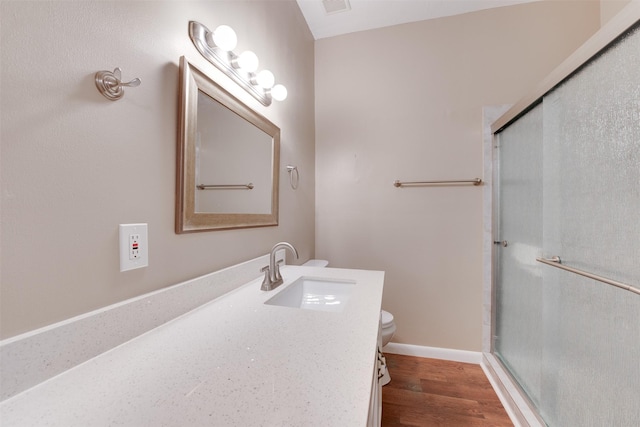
column 232, row 362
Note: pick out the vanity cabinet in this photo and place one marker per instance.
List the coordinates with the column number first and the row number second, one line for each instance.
column 375, row 404
column 220, row 363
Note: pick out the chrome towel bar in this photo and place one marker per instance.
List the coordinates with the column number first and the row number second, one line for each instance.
column 557, row 262
column 248, row 186
column 398, row 183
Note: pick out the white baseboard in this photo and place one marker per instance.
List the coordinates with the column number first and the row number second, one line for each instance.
column 463, row 356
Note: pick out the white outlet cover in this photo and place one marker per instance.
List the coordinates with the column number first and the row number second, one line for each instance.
column 126, row 230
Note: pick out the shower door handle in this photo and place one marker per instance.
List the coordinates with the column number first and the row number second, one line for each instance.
column 502, row 243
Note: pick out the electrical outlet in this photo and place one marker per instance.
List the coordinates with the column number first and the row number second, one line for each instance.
column 134, row 246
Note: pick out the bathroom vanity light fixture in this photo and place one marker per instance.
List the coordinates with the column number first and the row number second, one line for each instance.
column 217, row 47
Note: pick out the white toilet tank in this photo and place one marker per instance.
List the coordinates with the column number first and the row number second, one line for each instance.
column 316, row 263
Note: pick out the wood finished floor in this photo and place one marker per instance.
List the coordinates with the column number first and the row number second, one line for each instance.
column 431, row 392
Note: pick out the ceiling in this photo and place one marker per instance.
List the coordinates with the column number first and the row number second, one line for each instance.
column 349, row 16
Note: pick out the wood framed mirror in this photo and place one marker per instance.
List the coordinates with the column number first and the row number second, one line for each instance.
column 227, row 162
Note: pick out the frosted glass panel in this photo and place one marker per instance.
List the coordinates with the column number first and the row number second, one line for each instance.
column 519, row 301
column 573, row 343
column 591, row 357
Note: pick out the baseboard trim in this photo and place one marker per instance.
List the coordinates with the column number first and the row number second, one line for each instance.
column 454, row 355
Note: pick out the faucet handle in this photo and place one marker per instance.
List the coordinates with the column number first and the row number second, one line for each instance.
column 267, row 280
column 277, row 274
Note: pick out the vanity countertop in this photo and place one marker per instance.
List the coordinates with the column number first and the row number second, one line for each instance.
column 234, row 361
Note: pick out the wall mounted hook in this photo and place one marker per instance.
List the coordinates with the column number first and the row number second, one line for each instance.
column 110, row 84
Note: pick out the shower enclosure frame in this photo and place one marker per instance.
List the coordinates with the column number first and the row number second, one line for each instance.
column 515, row 400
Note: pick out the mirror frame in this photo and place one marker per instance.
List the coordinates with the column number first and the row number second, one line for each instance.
column 193, row 81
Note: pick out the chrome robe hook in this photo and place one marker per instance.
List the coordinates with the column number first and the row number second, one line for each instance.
column 110, row 84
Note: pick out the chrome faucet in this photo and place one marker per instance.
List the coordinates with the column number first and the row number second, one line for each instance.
column 272, row 277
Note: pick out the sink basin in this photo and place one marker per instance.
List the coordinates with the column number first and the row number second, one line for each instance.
column 312, row 293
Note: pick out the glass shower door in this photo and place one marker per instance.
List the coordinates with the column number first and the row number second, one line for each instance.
column 591, row 216
column 518, row 294
column 569, row 186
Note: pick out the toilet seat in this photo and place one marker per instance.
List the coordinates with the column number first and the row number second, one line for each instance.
column 386, row 319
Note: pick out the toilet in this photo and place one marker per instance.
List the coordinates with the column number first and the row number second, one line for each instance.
column 316, row 263
column 388, row 327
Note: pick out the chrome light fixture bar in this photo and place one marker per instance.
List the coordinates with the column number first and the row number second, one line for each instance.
column 217, row 48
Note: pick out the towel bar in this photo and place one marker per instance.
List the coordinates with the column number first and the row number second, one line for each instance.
column 556, row 262
column 398, row 183
column 248, row 186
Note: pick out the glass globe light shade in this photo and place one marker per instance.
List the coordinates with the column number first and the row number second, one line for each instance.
column 248, row 61
column 279, row 92
column 265, row 79
column 225, row 38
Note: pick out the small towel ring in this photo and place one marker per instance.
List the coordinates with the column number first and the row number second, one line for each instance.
column 293, row 181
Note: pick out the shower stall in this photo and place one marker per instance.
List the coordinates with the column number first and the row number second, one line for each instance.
column 565, row 310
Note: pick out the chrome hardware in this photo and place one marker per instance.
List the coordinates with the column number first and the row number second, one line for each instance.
column 224, row 62
column 272, row 277
column 555, row 261
column 248, row 186
column 398, row 183
column 277, row 274
column 110, row 84
column 265, row 270
column 293, row 181
column 503, row 243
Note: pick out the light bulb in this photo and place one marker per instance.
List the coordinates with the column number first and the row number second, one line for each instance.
column 266, row 79
column 279, row 92
column 248, row 61
column 225, row 38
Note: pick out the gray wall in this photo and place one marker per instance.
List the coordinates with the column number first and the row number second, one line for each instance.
column 405, row 102
column 75, row 165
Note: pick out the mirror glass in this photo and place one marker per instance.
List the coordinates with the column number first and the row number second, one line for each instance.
column 227, row 159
